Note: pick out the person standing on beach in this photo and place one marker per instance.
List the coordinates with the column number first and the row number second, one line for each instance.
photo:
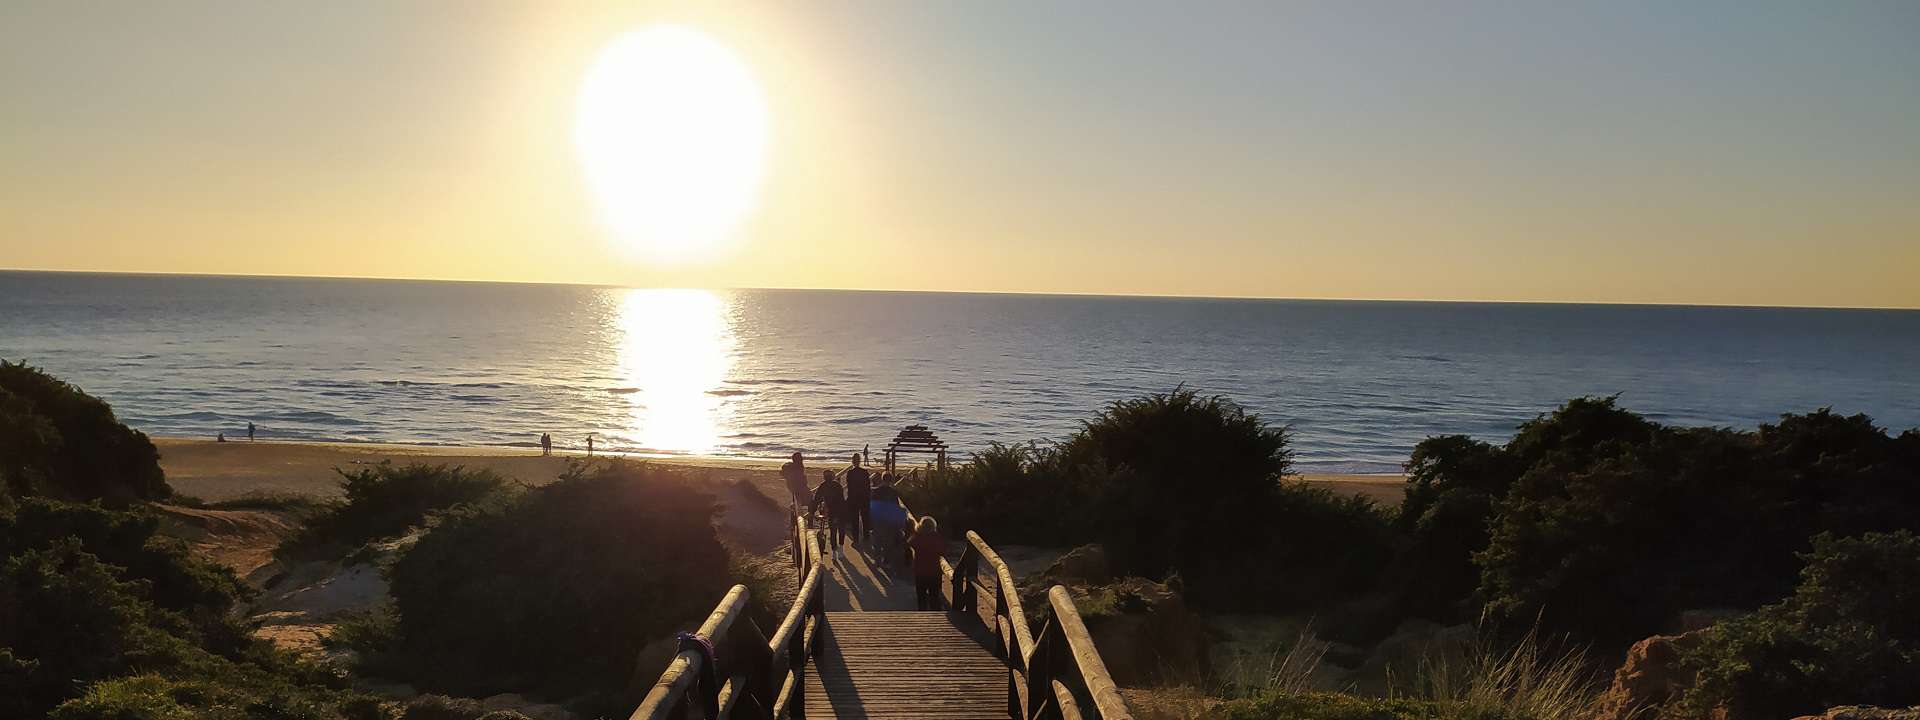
column 589, row 446
column 859, row 519
column 249, row 431
column 830, row 497
column 928, row 547
column 795, row 473
column 546, row 444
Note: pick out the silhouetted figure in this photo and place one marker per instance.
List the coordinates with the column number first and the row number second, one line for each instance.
column 220, row 437
column 928, row 547
column 833, row 499
column 249, row 431
column 589, row 446
column 794, row 472
column 889, row 520
column 546, row 444
column 859, row 486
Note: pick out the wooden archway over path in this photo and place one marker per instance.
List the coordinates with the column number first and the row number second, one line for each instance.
column 917, row 439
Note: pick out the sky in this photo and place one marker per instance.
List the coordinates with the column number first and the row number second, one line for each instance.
column 1751, row 152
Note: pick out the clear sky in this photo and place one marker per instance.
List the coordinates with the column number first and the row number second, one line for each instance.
column 1701, row 152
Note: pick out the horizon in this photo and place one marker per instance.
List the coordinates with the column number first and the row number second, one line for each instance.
column 1114, row 295
column 1718, row 154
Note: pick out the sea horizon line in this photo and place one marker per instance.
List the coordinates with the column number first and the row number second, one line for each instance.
column 915, row 291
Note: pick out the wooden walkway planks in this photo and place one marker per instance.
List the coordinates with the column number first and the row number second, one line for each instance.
column 905, row 664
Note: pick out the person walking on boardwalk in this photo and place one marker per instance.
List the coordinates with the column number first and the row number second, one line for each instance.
column 546, row 444
column 833, row 499
column 889, row 519
column 794, row 472
column 928, row 547
column 859, row 518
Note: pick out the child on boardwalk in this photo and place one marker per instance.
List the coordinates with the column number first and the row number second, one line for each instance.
column 928, row 547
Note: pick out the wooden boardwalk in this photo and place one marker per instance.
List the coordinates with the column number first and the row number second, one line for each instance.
column 850, row 647
column 906, row 664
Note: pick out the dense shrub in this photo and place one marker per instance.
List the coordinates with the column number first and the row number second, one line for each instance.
column 169, row 576
column 1011, row 493
column 1617, row 524
column 1174, row 484
column 555, row 589
column 58, row 441
column 383, row 501
column 1849, row 634
column 1453, row 485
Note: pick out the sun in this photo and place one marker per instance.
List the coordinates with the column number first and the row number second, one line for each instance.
column 671, row 128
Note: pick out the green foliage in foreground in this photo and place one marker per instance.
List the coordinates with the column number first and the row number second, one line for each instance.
column 554, row 589
column 1334, row 706
column 99, row 618
column 57, row 441
column 1175, row 484
column 1849, row 634
column 382, row 502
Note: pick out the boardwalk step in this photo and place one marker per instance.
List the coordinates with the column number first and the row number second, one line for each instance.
column 901, row 664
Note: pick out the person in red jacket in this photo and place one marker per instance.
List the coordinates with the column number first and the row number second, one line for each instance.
column 928, row 547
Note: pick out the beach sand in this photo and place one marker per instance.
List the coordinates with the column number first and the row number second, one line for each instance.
column 215, row 471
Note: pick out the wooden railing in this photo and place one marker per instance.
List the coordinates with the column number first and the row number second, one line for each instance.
column 1055, row 674
column 765, row 677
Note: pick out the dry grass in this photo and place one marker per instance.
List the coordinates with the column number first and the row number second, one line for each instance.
column 1527, row 680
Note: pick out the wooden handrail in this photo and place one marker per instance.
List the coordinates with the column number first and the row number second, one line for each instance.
column 687, row 666
column 1107, row 701
column 763, row 675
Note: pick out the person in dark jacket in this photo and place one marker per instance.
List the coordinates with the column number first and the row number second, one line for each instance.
column 794, row 472
column 859, row 521
column 833, row 500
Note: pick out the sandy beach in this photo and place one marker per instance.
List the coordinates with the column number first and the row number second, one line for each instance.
column 217, row 471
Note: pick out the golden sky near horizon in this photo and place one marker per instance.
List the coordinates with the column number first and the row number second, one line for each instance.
column 1719, row 153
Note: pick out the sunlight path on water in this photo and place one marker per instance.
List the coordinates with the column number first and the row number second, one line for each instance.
column 676, row 348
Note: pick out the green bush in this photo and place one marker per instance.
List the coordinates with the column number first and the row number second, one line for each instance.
column 1615, row 525
column 1174, row 484
column 237, row 693
column 553, row 590
column 58, row 441
column 382, row 502
column 1008, row 493
column 1849, row 634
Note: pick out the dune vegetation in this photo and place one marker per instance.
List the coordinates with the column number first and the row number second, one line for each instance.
column 1590, row 529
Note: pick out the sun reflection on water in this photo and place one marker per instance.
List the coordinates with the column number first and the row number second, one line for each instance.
column 676, row 346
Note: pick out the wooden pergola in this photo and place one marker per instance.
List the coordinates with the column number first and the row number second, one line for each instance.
column 917, row 439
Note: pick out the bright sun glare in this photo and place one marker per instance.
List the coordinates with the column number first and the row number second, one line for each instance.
column 672, row 131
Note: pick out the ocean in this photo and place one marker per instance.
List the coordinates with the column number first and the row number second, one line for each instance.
column 763, row 372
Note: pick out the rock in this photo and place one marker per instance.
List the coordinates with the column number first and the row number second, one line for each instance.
column 1651, row 676
column 1145, row 632
column 1416, row 646
column 1863, row 712
column 1084, row 565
